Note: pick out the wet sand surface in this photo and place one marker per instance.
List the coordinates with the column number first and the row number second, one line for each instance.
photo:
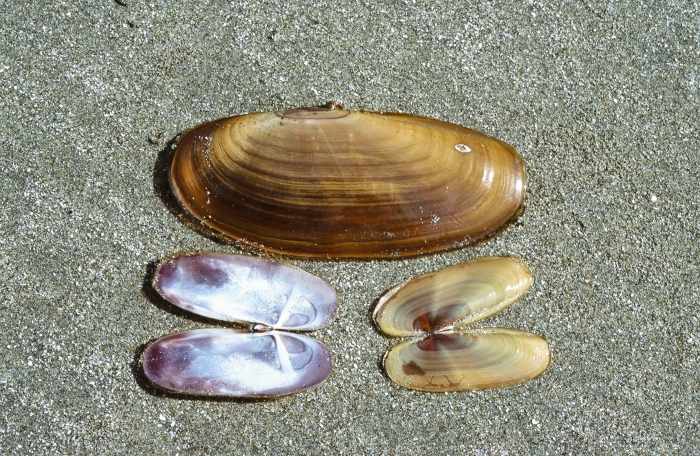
column 601, row 100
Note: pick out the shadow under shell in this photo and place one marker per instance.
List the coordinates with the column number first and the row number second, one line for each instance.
column 237, row 363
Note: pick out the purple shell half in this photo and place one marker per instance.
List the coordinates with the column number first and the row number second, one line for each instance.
column 230, row 362
column 246, row 290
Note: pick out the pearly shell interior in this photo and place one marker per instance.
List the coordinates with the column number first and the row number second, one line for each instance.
column 331, row 183
column 264, row 296
column 233, row 362
column 246, row 290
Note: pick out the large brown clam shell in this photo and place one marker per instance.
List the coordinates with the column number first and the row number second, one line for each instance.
column 452, row 297
column 473, row 360
column 333, row 183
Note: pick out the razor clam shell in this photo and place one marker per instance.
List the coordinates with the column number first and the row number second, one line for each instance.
column 329, row 183
column 452, row 297
column 230, row 362
column 246, row 290
column 473, row 360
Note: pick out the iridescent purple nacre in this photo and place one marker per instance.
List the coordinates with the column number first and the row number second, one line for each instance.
column 259, row 361
column 247, row 290
column 231, row 362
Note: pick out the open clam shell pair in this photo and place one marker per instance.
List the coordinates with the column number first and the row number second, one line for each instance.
column 259, row 359
column 438, row 305
column 333, row 183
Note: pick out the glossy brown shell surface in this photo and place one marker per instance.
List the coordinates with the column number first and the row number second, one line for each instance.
column 332, row 183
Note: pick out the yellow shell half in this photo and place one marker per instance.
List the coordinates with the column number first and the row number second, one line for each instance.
column 452, row 297
column 473, row 360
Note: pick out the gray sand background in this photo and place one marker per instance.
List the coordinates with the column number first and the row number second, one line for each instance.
column 600, row 98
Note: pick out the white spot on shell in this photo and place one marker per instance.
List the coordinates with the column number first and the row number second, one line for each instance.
column 463, row 148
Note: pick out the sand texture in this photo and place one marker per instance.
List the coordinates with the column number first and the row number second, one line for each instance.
column 601, row 99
